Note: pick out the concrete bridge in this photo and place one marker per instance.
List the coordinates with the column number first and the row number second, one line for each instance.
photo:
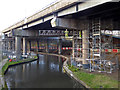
column 84, row 19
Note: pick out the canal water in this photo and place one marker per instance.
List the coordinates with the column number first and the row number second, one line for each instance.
column 46, row 72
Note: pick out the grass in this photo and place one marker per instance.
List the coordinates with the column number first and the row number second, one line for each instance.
column 4, row 68
column 94, row 80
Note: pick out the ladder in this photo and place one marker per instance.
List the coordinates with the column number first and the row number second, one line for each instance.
column 96, row 41
column 77, row 38
column 96, row 38
column 76, row 43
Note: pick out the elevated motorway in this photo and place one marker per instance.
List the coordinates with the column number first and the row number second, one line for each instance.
column 63, row 8
column 88, row 17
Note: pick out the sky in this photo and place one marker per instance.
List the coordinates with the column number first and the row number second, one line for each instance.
column 12, row 11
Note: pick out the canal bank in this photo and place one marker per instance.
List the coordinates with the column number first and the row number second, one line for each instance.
column 46, row 72
column 87, row 79
column 65, row 68
column 70, row 73
column 5, row 64
column 84, row 75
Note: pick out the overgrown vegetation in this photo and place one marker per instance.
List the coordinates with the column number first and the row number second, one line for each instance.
column 94, row 80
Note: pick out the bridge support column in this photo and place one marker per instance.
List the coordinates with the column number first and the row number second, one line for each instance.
column 24, row 46
column 73, row 46
column 85, row 46
column 29, row 48
column 47, row 46
column 30, row 45
column 37, row 45
column 60, row 46
column 3, row 46
column 18, row 47
column 7, row 46
column 10, row 45
column 13, row 45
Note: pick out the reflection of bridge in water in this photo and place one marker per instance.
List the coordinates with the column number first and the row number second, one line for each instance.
column 43, row 73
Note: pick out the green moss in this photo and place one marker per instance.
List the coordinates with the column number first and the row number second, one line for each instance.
column 95, row 80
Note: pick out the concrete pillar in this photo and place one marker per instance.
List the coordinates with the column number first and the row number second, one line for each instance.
column 60, row 46
column 30, row 45
column 5, row 46
column 73, row 46
column 18, row 47
column 13, row 45
column 38, row 45
column 47, row 46
column 85, row 45
column 2, row 45
column 24, row 46
column 8, row 45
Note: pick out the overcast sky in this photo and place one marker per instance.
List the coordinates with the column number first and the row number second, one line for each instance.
column 12, row 11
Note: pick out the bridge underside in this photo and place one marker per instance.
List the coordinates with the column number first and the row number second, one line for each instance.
column 86, row 29
column 106, row 12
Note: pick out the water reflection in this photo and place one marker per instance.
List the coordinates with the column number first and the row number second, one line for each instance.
column 43, row 73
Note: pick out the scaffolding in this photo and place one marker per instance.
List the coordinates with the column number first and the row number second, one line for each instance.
column 77, row 37
column 98, row 43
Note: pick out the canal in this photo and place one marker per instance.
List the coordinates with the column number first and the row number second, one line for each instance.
column 46, row 72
